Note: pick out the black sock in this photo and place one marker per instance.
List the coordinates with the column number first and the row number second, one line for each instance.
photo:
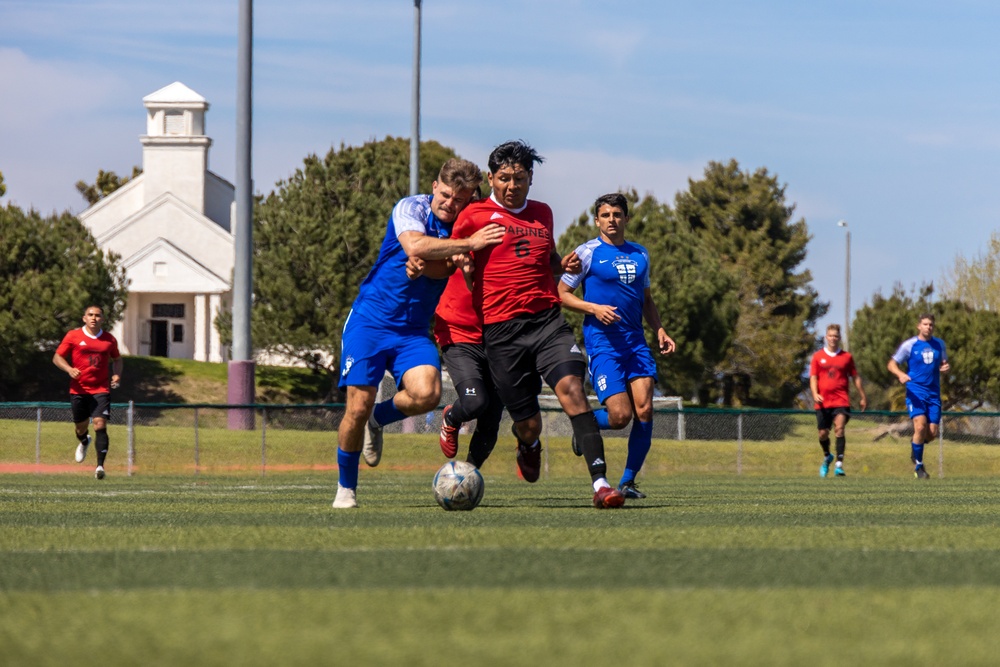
column 825, row 444
column 590, row 442
column 841, row 447
column 83, row 438
column 101, row 439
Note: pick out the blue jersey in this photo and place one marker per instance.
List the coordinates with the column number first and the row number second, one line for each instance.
column 923, row 359
column 613, row 276
column 387, row 296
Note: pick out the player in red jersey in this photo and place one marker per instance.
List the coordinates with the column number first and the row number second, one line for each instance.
column 829, row 372
column 86, row 354
column 525, row 334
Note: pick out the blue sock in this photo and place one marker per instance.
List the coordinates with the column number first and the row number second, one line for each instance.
column 602, row 418
column 386, row 412
column 640, row 438
column 348, row 462
column 917, row 452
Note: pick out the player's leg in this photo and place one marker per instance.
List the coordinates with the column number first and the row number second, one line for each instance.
column 81, row 406
column 416, row 366
column 484, row 438
column 918, row 414
column 840, row 419
column 640, row 437
column 350, row 441
column 469, row 373
column 366, row 353
column 608, row 379
column 102, row 412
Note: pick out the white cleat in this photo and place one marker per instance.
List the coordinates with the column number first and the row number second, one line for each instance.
column 372, row 450
column 346, row 498
column 81, row 450
column 99, row 473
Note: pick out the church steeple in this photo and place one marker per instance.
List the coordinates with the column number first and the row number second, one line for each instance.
column 175, row 148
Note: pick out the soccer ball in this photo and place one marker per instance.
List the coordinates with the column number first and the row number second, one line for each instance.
column 458, row 486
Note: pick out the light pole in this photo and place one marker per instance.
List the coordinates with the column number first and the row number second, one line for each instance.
column 847, row 286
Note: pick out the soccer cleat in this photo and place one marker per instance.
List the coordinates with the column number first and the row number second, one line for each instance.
column 529, row 458
column 346, row 498
column 630, row 490
column 920, row 472
column 839, row 472
column 372, row 450
column 81, row 450
column 576, row 447
column 824, row 469
column 449, row 435
column 608, row 498
column 99, row 473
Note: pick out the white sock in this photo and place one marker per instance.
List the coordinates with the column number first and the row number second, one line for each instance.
column 602, row 483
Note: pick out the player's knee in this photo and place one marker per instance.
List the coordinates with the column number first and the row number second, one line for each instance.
column 425, row 398
column 618, row 419
column 474, row 405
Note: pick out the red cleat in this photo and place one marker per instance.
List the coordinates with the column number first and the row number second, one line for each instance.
column 449, row 435
column 608, row 497
column 529, row 461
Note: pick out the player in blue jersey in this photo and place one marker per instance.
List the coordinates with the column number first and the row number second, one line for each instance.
column 388, row 328
column 616, row 298
column 925, row 359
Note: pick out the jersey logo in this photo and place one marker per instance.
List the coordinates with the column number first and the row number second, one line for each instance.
column 626, row 270
column 470, row 391
column 602, row 382
column 84, row 343
column 928, row 355
column 348, row 362
column 496, row 216
column 575, row 349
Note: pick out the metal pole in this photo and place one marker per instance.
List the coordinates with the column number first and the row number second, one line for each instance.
column 415, row 106
column 241, row 366
column 38, row 437
column 847, row 285
column 739, row 444
column 196, row 453
column 263, row 442
column 131, row 437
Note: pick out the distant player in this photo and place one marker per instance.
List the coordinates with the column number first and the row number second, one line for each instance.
column 925, row 359
column 86, row 355
column 389, row 324
column 829, row 374
column 525, row 334
column 616, row 298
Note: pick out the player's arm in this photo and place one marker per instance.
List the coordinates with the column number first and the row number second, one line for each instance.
column 117, row 364
column 417, row 244
column 814, row 388
column 64, row 365
column 435, row 268
column 569, row 264
column 861, row 391
column 604, row 314
column 897, row 371
column 652, row 317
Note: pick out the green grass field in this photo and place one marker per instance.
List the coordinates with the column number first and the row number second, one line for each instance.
column 713, row 568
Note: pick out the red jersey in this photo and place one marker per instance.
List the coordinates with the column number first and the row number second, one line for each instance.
column 832, row 374
column 455, row 320
column 91, row 355
column 514, row 277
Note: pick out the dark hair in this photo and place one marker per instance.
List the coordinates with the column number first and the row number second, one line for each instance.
column 514, row 152
column 94, row 305
column 926, row 316
column 614, row 200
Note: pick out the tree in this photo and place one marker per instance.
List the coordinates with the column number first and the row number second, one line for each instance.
column 3, row 188
column 976, row 282
column 315, row 239
column 50, row 270
column 972, row 338
column 695, row 298
column 744, row 220
column 106, row 183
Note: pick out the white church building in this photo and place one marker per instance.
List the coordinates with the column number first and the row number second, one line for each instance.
column 173, row 227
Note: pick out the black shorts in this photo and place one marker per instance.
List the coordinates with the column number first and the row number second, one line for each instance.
column 824, row 417
column 85, row 406
column 465, row 362
column 524, row 350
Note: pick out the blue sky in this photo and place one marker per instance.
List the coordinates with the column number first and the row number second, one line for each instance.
column 881, row 113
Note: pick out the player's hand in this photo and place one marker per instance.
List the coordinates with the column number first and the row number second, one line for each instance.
column 571, row 264
column 491, row 234
column 945, row 366
column 606, row 314
column 817, row 399
column 864, row 403
column 667, row 345
column 115, row 381
column 414, row 267
column 464, row 263
column 74, row 373
column 904, row 378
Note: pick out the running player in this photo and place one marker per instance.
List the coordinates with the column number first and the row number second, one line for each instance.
column 616, row 298
column 925, row 359
column 525, row 334
column 388, row 326
column 830, row 370
column 86, row 354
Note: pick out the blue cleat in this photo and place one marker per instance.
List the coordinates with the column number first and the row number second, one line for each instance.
column 824, row 469
column 839, row 472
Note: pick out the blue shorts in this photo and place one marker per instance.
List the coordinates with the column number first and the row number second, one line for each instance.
column 610, row 373
column 368, row 350
column 924, row 405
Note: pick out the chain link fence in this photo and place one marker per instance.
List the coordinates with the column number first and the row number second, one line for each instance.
column 178, row 438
